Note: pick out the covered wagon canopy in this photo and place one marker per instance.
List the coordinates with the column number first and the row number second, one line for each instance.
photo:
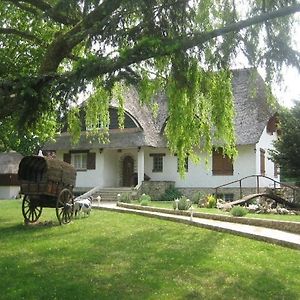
column 37, row 169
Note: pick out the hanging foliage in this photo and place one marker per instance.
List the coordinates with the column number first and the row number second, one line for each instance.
column 52, row 50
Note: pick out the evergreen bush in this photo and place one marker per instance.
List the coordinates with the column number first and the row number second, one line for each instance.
column 238, row 211
column 171, row 193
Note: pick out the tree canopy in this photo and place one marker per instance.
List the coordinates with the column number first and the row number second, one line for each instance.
column 51, row 50
column 287, row 147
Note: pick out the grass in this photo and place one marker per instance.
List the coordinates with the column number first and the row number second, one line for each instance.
column 169, row 204
column 121, row 256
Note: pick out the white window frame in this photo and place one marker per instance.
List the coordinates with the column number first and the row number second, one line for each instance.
column 79, row 160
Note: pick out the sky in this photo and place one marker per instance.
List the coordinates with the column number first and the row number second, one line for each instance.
column 289, row 90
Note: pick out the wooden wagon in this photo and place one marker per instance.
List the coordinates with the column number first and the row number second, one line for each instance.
column 46, row 182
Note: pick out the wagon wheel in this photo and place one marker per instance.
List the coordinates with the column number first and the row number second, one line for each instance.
column 65, row 206
column 31, row 211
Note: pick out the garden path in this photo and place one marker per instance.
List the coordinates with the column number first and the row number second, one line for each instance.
column 255, row 232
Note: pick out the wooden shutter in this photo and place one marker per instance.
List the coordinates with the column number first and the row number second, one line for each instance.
column 221, row 164
column 262, row 162
column 91, row 161
column 67, row 157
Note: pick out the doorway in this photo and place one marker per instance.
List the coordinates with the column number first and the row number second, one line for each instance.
column 128, row 170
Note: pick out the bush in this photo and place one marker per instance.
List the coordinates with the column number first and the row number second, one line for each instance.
column 197, row 198
column 183, row 204
column 145, row 197
column 211, row 201
column 125, row 197
column 171, row 193
column 144, row 202
column 238, row 211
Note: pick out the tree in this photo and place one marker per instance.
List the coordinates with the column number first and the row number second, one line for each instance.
column 287, row 147
column 51, row 50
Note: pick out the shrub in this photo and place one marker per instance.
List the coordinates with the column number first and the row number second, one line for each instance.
column 197, row 198
column 144, row 202
column 183, row 204
column 238, row 211
column 125, row 197
column 211, row 201
column 171, row 193
column 145, row 197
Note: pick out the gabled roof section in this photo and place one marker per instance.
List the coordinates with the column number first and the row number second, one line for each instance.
column 9, row 162
column 251, row 106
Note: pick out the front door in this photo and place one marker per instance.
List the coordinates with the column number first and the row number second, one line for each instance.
column 128, row 169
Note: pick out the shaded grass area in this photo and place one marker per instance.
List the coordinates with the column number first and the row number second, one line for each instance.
column 169, row 205
column 122, row 256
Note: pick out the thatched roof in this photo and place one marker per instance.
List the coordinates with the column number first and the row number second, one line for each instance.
column 252, row 115
column 9, row 162
column 251, row 106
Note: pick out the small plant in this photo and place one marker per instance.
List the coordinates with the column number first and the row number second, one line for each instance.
column 171, row 193
column 197, row 198
column 238, row 211
column 144, row 202
column 145, row 197
column 183, row 204
column 211, row 201
column 125, row 197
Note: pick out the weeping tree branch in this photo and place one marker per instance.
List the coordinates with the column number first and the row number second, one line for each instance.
column 48, row 11
column 166, row 46
column 22, row 34
column 89, row 69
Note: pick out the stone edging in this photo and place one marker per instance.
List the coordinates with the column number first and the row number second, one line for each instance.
column 293, row 227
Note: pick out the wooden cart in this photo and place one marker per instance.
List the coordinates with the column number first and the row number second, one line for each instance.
column 46, row 182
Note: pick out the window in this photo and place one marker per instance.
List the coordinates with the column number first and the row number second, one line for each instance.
column 262, row 162
column 186, row 164
column 221, row 163
column 79, row 161
column 226, row 197
column 157, row 162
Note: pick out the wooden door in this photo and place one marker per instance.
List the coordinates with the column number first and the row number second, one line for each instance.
column 128, row 169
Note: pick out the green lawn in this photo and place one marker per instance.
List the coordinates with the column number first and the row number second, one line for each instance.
column 122, row 256
column 169, row 204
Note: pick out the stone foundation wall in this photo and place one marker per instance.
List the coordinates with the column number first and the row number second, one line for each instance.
column 189, row 192
column 155, row 189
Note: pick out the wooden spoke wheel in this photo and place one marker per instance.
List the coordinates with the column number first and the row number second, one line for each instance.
column 65, row 206
column 31, row 210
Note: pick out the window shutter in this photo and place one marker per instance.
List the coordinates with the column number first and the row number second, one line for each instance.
column 262, row 162
column 221, row 165
column 91, row 161
column 67, row 158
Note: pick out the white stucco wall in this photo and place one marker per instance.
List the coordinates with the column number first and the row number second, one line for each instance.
column 108, row 172
column 9, row 192
column 200, row 175
column 266, row 143
column 110, row 168
column 87, row 178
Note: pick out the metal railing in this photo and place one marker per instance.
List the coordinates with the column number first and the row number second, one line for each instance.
column 257, row 186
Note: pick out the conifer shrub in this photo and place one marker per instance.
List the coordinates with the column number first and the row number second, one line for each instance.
column 238, row 211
